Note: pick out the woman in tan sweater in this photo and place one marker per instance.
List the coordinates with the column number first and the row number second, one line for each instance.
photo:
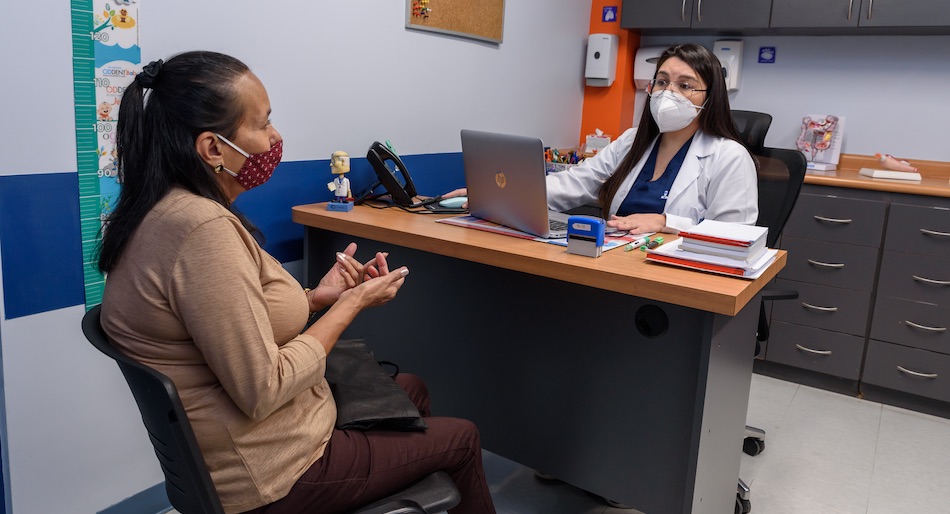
column 191, row 293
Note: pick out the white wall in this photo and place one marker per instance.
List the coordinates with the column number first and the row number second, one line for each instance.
column 340, row 75
column 892, row 90
column 344, row 75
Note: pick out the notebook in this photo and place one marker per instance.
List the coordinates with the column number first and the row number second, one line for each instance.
column 504, row 175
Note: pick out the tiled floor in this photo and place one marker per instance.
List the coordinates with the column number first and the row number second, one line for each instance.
column 825, row 453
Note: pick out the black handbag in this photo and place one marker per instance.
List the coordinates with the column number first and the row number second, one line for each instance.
column 366, row 396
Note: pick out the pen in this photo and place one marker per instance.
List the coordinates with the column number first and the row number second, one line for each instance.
column 637, row 242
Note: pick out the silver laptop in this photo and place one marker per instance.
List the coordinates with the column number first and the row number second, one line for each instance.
column 504, row 175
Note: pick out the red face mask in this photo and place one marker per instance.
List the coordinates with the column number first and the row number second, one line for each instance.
column 258, row 168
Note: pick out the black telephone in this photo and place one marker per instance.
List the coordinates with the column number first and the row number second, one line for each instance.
column 392, row 173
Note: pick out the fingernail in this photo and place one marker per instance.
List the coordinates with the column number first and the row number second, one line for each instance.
column 341, row 257
column 404, row 271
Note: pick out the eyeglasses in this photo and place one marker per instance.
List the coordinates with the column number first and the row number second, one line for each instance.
column 684, row 88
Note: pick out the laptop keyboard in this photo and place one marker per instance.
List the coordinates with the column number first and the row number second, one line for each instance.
column 557, row 226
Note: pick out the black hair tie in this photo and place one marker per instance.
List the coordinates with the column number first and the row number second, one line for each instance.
column 150, row 73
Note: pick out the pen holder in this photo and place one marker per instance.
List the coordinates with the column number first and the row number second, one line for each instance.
column 585, row 235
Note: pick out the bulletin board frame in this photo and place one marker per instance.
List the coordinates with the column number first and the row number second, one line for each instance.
column 476, row 19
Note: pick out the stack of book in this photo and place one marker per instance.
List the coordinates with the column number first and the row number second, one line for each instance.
column 718, row 247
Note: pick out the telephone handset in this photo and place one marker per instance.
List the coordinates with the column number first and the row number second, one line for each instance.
column 392, row 173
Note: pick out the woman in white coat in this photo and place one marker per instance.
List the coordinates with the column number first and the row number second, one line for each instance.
column 684, row 164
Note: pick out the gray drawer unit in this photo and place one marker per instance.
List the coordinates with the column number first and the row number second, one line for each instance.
column 915, row 277
column 918, row 229
column 910, row 370
column 837, row 219
column 829, row 308
column 910, row 323
column 831, row 264
column 817, row 350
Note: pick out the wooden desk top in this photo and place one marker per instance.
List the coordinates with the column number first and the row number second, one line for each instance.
column 617, row 270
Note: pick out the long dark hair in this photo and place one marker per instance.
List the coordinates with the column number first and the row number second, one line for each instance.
column 192, row 93
column 715, row 118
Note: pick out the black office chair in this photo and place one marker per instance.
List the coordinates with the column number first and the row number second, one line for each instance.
column 752, row 127
column 780, row 177
column 187, row 481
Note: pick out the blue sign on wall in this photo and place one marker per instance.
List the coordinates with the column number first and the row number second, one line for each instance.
column 610, row 14
column 766, row 55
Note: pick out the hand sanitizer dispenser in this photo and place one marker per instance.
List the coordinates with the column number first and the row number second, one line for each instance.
column 729, row 53
column 601, row 59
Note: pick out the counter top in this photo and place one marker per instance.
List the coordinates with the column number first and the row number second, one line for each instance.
column 935, row 181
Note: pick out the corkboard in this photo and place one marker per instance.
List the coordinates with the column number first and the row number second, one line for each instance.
column 478, row 19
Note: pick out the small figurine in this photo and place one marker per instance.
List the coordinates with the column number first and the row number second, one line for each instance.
column 342, row 197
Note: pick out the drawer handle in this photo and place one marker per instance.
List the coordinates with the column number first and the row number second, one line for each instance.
column 934, row 233
column 825, row 264
column 833, row 220
column 924, row 327
column 809, row 350
column 932, row 281
column 817, row 308
column 916, row 373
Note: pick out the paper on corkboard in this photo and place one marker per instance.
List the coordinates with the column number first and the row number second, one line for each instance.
column 477, row 19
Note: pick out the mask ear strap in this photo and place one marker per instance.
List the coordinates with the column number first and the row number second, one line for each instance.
column 232, row 145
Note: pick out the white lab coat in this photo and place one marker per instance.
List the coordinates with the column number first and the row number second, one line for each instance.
column 717, row 181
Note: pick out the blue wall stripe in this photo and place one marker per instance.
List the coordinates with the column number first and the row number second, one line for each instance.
column 301, row 182
column 41, row 247
column 40, row 228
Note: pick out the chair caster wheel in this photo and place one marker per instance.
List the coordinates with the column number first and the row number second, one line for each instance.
column 743, row 506
column 753, row 446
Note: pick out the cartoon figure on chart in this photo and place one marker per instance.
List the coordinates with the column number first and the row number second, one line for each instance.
column 340, row 166
column 816, row 135
column 104, row 111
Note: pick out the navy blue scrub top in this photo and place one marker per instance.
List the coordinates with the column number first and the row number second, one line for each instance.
column 649, row 197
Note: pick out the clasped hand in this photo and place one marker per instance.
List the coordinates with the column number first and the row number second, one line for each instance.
column 372, row 280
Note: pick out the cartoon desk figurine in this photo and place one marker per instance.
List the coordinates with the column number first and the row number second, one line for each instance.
column 340, row 166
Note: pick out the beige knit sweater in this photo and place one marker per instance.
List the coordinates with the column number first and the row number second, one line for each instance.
column 195, row 297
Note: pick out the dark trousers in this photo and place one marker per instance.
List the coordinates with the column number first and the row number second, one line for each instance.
column 360, row 467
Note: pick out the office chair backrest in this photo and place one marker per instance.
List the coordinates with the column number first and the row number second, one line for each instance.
column 187, row 481
column 752, row 127
column 780, row 177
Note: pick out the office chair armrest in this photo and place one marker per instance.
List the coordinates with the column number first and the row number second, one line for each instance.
column 771, row 293
column 394, row 507
column 434, row 493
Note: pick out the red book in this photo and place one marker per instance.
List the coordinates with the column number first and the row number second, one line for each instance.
column 713, row 239
column 688, row 263
column 726, row 234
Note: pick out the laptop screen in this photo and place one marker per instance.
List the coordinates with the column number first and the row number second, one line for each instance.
column 504, row 175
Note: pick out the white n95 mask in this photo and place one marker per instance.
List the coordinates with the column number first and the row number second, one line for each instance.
column 672, row 111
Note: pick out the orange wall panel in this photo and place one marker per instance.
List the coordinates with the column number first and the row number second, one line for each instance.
column 611, row 108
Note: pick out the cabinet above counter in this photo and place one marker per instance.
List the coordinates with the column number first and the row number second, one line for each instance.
column 786, row 17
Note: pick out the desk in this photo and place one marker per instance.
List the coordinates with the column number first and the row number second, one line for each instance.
column 552, row 356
